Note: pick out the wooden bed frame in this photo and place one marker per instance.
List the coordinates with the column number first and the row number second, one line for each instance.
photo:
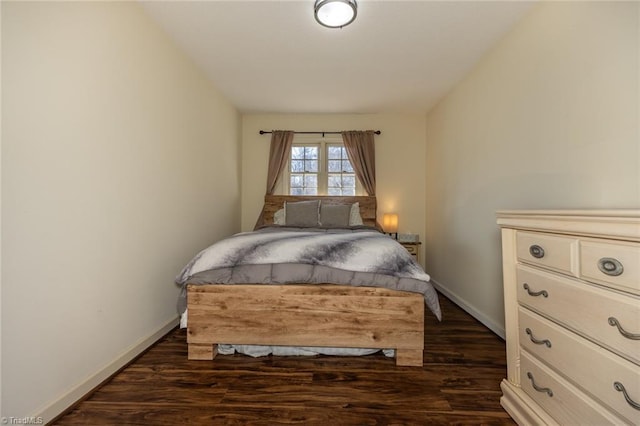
column 306, row 314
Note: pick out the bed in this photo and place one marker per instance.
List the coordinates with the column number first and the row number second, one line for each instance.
column 284, row 286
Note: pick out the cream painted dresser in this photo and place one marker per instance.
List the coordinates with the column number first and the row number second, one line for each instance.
column 572, row 316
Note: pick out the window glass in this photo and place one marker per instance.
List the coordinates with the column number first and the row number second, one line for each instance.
column 303, row 170
column 321, row 168
column 341, row 176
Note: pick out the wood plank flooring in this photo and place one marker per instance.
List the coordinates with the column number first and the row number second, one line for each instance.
column 458, row 384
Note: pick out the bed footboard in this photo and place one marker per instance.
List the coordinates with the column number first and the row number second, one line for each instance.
column 305, row 315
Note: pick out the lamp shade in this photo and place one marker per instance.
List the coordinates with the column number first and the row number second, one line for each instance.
column 390, row 222
column 335, row 13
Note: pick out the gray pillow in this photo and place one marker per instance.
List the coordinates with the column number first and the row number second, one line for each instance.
column 335, row 215
column 302, row 213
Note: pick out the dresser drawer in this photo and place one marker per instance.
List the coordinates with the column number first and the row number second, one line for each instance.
column 549, row 251
column 567, row 404
column 589, row 310
column 611, row 263
column 575, row 358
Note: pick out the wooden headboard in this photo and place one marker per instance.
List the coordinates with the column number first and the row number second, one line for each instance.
column 368, row 205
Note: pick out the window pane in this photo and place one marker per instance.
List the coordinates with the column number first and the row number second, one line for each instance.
column 296, row 181
column 346, row 166
column 311, row 181
column 335, row 152
column 335, row 166
column 311, row 152
column 311, row 166
column 334, row 191
column 310, row 191
column 335, row 181
column 297, row 152
column 297, row 165
column 349, row 181
column 296, row 191
column 348, row 191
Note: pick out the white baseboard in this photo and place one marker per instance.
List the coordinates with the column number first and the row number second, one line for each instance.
column 79, row 391
column 470, row 309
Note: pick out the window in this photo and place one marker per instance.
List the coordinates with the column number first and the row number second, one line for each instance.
column 320, row 168
column 341, row 179
column 304, row 170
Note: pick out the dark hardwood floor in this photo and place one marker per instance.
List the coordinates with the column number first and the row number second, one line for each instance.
column 458, row 384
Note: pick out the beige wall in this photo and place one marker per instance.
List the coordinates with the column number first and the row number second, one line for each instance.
column 400, row 151
column 548, row 119
column 119, row 162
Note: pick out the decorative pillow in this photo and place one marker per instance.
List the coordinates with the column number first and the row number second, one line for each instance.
column 278, row 217
column 354, row 218
column 302, row 213
column 335, row 215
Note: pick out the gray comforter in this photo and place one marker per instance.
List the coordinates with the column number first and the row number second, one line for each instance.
column 358, row 256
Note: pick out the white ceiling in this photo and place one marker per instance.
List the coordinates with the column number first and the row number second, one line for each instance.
column 398, row 56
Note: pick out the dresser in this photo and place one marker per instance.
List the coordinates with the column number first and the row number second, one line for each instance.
column 572, row 316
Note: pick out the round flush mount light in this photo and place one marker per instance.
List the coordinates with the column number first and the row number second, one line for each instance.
column 335, row 13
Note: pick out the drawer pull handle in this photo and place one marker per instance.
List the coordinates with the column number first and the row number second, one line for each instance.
column 618, row 386
column 545, row 342
column 535, row 293
column 614, row 322
column 536, row 251
column 538, row 388
column 610, row 266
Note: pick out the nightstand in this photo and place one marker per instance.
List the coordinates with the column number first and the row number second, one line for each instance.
column 413, row 248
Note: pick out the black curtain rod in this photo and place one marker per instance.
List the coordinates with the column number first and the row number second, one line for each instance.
column 263, row 132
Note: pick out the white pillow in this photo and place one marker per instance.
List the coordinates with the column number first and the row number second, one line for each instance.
column 354, row 218
column 278, row 217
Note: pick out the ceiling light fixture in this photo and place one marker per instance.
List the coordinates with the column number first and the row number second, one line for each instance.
column 335, row 13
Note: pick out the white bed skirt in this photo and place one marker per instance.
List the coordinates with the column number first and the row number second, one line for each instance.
column 261, row 350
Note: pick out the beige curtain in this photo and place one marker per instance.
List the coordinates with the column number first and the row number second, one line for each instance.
column 362, row 154
column 281, row 141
